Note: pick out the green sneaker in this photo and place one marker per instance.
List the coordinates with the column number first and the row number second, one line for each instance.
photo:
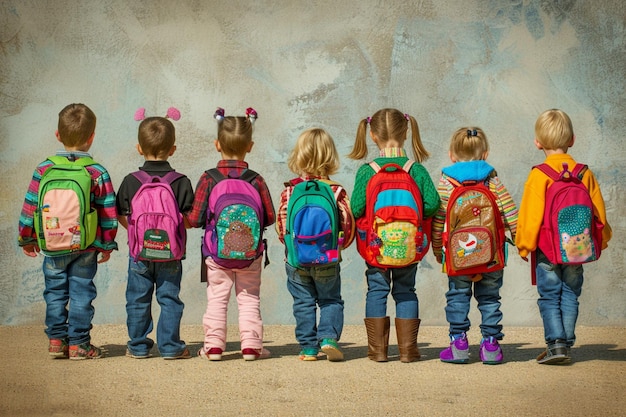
column 331, row 349
column 308, row 354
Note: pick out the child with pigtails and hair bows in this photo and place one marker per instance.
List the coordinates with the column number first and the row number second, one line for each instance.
column 388, row 130
column 234, row 142
column 156, row 143
column 468, row 152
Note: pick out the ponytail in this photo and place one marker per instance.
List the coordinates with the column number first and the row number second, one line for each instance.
column 359, row 151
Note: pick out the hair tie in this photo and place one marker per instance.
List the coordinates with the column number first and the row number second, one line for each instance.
column 173, row 113
column 471, row 133
column 407, row 117
column 219, row 114
column 251, row 114
column 140, row 114
column 368, row 120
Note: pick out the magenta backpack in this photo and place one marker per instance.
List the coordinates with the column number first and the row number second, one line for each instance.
column 233, row 235
column 156, row 230
column 570, row 232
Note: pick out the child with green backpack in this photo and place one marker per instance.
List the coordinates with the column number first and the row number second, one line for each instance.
column 69, row 215
column 315, row 223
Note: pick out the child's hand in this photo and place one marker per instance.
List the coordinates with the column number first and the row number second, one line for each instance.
column 104, row 256
column 31, row 250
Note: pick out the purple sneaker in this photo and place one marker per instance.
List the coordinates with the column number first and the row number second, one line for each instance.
column 490, row 351
column 458, row 351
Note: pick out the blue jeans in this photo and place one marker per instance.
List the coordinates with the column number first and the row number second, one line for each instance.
column 559, row 287
column 143, row 277
column 379, row 285
column 69, row 281
column 312, row 287
column 487, row 294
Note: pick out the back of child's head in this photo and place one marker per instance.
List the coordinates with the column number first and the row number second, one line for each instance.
column 389, row 124
column 314, row 154
column 234, row 133
column 156, row 136
column 469, row 144
column 553, row 130
column 76, row 124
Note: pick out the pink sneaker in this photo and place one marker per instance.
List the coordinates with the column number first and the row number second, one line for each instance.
column 250, row 354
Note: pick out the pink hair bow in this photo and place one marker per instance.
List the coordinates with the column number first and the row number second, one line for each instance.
column 251, row 114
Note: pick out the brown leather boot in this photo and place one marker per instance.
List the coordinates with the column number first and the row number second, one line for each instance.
column 406, row 330
column 377, row 338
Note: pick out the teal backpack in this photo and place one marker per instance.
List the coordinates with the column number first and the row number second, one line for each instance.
column 64, row 220
column 313, row 235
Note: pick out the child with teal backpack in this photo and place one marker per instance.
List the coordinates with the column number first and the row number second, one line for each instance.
column 388, row 130
column 71, row 237
column 315, row 223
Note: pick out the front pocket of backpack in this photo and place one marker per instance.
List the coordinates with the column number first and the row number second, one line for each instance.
column 471, row 247
column 315, row 250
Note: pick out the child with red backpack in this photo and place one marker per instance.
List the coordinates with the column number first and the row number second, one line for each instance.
column 393, row 201
column 315, row 223
column 151, row 203
column 562, row 228
column 71, row 236
column 234, row 206
column 468, row 238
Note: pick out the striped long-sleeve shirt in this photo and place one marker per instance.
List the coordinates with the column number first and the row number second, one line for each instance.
column 471, row 171
column 102, row 200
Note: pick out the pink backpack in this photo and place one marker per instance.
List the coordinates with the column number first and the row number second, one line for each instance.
column 156, row 230
column 570, row 232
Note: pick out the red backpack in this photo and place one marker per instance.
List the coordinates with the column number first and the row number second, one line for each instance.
column 474, row 241
column 393, row 232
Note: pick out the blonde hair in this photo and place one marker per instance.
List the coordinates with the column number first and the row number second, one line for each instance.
column 156, row 136
column 314, row 154
column 76, row 124
column 553, row 130
column 234, row 133
column 388, row 124
column 469, row 144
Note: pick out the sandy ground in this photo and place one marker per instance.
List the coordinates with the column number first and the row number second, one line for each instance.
column 32, row 384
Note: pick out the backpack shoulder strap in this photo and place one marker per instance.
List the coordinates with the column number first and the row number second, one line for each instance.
column 142, row 176
column 579, row 170
column 172, row 176
column 374, row 166
column 548, row 170
column 407, row 165
column 215, row 174
column 248, row 175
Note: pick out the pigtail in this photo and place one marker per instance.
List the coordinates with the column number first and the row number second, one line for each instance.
column 359, row 151
column 419, row 151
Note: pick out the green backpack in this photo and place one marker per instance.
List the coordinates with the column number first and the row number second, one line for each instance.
column 64, row 220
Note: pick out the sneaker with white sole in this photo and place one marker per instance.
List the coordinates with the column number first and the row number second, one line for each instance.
column 332, row 350
column 490, row 351
column 458, row 351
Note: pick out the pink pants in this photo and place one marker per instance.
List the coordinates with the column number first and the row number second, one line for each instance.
column 247, row 289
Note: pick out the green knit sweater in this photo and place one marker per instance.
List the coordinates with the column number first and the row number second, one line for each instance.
column 419, row 174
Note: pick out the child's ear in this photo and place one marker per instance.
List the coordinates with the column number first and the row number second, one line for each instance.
column 538, row 145
column 250, row 147
column 90, row 140
column 138, row 146
column 172, row 150
column 572, row 142
column 217, row 145
column 56, row 133
column 452, row 157
column 373, row 136
column 485, row 155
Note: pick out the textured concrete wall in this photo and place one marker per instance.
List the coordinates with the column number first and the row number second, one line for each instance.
column 496, row 64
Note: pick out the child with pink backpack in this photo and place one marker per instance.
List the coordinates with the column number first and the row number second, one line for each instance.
column 151, row 203
column 233, row 205
column 561, row 229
